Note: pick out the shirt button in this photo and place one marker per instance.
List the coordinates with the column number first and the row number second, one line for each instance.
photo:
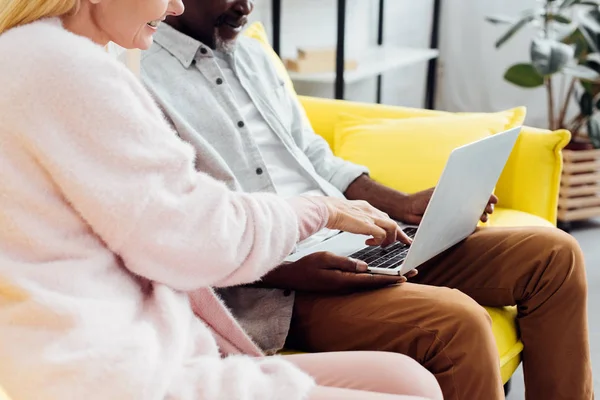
column 259, row 171
column 241, row 124
column 219, row 81
column 203, row 50
column 287, row 293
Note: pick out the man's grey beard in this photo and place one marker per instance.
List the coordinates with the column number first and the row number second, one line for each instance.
column 223, row 45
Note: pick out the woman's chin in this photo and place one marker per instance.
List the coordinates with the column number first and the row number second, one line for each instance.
column 143, row 40
column 144, row 43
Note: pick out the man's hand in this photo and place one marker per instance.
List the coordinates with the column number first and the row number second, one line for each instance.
column 407, row 208
column 415, row 205
column 329, row 273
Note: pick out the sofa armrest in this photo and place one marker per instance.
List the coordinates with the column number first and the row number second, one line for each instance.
column 530, row 181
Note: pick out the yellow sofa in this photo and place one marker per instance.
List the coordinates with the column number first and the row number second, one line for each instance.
column 528, row 188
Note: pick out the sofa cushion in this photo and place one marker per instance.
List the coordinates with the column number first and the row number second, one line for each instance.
column 409, row 154
column 508, row 217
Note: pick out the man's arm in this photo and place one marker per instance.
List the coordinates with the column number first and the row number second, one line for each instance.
column 407, row 208
column 335, row 170
column 390, row 201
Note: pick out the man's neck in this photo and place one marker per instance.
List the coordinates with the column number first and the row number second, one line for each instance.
column 176, row 24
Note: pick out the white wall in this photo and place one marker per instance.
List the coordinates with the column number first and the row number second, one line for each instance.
column 313, row 23
column 472, row 69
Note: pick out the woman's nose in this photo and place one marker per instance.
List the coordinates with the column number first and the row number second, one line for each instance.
column 176, row 8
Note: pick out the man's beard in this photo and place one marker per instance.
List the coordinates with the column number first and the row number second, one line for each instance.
column 225, row 46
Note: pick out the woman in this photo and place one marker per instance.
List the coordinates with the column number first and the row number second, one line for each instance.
column 105, row 227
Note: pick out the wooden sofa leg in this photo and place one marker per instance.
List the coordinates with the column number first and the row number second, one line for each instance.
column 507, row 387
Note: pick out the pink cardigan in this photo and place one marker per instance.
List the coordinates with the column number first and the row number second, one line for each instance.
column 105, row 227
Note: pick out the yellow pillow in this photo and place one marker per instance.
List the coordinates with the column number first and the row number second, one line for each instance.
column 410, row 154
column 257, row 31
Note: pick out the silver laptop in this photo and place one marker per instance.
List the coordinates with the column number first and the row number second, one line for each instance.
column 462, row 193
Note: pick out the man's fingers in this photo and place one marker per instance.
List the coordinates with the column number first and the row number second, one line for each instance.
column 346, row 264
column 411, row 274
column 493, row 199
column 489, row 208
column 484, row 217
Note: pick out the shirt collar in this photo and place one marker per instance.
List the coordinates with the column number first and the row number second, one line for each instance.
column 181, row 46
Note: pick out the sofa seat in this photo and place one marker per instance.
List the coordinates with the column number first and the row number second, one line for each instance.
column 509, row 217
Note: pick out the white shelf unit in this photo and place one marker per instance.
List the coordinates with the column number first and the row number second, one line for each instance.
column 372, row 62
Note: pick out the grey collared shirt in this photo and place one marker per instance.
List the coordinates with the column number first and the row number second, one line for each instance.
column 188, row 84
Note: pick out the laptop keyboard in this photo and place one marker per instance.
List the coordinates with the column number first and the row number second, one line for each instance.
column 390, row 257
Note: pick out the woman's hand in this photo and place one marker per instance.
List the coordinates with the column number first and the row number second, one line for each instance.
column 362, row 218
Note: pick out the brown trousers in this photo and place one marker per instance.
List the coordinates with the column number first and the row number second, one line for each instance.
column 438, row 319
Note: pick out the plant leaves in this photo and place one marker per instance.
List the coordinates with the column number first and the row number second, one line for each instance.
column 592, row 61
column 591, row 42
column 586, row 104
column 549, row 56
column 587, row 86
column 514, row 29
column 582, row 72
column 570, row 3
column 591, row 20
column 563, row 32
column 557, row 17
column 594, row 57
column 567, row 4
column 500, row 19
column 578, row 40
column 592, row 88
column 524, row 75
column 594, row 131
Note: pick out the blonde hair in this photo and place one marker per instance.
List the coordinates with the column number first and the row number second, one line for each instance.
column 19, row 12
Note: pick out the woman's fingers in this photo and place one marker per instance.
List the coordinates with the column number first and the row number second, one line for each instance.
column 401, row 236
column 391, row 230
column 362, row 218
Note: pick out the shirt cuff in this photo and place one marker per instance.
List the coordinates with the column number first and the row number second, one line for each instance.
column 346, row 174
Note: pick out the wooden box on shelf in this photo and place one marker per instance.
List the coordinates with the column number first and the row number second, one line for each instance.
column 580, row 186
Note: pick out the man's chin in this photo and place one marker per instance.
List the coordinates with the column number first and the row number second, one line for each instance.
column 225, row 44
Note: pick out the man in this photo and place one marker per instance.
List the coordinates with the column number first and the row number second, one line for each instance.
column 224, row 97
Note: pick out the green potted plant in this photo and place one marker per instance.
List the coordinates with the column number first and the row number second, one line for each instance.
column 568, row 44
